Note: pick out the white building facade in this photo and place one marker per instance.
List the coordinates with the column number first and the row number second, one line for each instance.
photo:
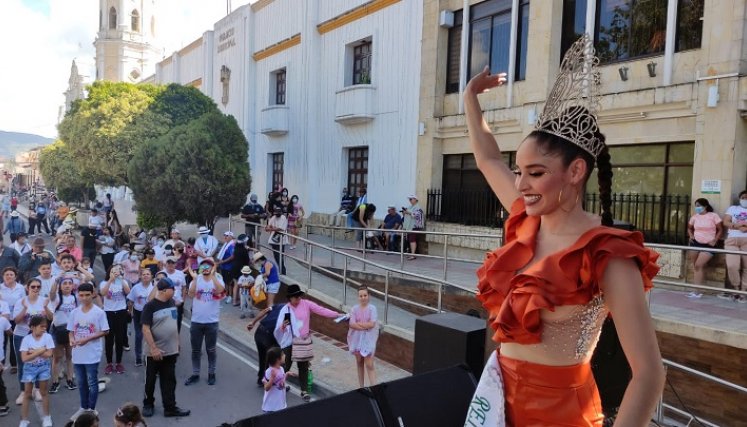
column 326, row 91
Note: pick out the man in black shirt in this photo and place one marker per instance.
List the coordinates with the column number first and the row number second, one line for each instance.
column 265, row 339
column 162, row 336
column 252, row 212
column 88, row 243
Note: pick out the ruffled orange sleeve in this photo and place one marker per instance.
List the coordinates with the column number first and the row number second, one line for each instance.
column 569, row 277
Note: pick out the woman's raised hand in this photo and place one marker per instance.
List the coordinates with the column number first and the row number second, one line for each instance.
column 484, row 81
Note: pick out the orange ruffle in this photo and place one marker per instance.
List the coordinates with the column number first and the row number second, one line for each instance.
column 568, row 277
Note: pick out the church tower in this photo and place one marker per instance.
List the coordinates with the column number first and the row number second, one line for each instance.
column 126, row 49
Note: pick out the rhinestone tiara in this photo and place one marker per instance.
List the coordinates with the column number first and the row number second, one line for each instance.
column 571, row 107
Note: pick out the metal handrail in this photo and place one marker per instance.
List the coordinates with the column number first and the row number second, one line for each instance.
column 437, row 233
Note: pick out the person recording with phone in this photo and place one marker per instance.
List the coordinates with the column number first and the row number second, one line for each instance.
column 206, row 290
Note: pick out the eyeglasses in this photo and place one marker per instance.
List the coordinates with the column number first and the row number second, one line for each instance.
column 34, row 287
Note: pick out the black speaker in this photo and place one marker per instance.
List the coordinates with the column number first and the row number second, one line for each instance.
column 611, row 369
column 356, row 407
column 448, row 339
column 436, row 398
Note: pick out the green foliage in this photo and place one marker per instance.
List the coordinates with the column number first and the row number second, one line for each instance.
column 58, row 167
column 149, row 221
column 196, row 172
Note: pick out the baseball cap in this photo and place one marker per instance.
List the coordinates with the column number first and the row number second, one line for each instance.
column 175, row 230
column 171, row 259
column 241, row 238
column 207, row 261
column 228, row 233
column 391, row 207
column 412, row 196
column 253, row 197
column 165, row 283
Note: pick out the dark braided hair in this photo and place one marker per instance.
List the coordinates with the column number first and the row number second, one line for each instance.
column 553, row 144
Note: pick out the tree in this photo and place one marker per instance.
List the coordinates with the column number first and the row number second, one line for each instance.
column 103, row 130
column 94, row 129
column 58, row 167
column 200, row 168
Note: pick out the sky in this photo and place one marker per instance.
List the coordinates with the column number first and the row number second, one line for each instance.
column 40, row 39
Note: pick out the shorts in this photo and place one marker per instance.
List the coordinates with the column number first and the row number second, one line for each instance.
column 34, row 373
column 60, row 335
column 273, row 288
column 227, row 276
column 550, row 395
column 413, row 237
column 697, row 244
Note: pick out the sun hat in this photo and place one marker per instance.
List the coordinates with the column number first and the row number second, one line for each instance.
column 203, row 230
column 258, row 256
column 294, row 291
column 246, row 269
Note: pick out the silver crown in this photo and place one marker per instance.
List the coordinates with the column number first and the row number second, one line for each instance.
column 570, row 111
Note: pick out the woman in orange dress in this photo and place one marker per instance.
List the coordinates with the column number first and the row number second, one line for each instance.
column 562, row 270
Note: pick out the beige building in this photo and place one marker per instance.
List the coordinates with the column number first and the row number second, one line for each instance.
column 673, row 101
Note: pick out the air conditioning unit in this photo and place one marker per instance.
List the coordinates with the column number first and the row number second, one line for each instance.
column 446, row 19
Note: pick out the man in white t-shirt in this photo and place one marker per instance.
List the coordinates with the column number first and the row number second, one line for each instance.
column 735, row 222
column 206, row 291
column 86, row 326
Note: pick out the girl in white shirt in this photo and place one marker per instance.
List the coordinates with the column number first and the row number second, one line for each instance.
column 62, row 302
column 35, row 352
column 114, row 291
column 24, row 310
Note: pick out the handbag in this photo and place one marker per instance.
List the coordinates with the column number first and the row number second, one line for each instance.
column 258, row 291
column 302, row 349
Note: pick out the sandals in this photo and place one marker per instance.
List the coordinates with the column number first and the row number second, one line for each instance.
column 411, row 258
column 305, row 396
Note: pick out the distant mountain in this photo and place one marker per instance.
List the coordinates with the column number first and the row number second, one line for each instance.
column 12, row 143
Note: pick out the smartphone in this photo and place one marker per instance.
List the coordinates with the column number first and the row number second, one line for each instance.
column 288, row 317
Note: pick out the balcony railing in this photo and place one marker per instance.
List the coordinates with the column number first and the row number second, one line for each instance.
column 354, row 104
column 661, row 219
column 274, row 120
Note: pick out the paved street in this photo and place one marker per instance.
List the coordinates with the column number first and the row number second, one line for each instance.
column 235, row 395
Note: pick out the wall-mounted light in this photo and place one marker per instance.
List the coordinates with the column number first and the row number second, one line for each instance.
column 651, row 69
column 713, row 95
column 623, row 73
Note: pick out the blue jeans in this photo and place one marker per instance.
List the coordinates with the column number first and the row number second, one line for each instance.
column 138, row 326
column 198, row 332
column 16, row 348
column 88, row 387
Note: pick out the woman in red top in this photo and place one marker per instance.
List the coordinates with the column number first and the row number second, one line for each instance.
column 561, row 270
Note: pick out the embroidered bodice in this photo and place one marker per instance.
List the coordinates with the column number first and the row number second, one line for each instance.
column 522, row 307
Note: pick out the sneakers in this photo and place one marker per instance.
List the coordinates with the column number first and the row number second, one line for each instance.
column 77, row 413
column 109, row 369
column 71, row 384
column 724, row 295
column 742, row 299
column 694, row 295
column 138, row 362
column 305, row 396
column 37, row 395
column 24, row 423
column 47, row 421
column 126, row 348
column 192, row 380
column 176, row 412
column 148, row 411
column 228, row 300
column 119, row 368
column 19, row 399
column 54, row 388
column 243, row 316
column 211, row 379
column 4, row 410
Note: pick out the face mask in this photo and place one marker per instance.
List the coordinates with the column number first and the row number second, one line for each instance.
column 699, row 209
column 133, row 258
column 169, row 252
column 160, row 243
column 743, row 203
column 277, row 214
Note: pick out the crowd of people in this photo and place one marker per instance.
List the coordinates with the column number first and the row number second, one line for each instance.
column 63, row 323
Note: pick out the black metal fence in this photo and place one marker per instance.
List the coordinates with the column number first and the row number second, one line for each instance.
column 661, row 219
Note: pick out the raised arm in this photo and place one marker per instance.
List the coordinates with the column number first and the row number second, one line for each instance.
column 487, row 154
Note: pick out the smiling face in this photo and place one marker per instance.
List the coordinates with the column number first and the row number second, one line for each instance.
column 363, row 297
column 9, row 277
column 540, row 178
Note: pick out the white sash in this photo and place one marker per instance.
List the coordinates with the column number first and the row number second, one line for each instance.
column 285, row 338
column 488, row 406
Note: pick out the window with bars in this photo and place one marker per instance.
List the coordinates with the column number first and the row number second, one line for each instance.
column 277, row 170
column 357, row 169
column 362, row 62
column 280, row 87
column 489, row 41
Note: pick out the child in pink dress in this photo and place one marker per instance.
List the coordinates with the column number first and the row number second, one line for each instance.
column 362, row 336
